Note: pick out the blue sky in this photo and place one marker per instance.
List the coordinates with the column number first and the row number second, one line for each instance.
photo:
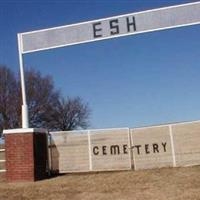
column 132, row 81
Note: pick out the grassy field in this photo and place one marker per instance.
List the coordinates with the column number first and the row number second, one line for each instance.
column 159, row 184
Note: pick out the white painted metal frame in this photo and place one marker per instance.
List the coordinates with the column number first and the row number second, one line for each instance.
column 133, row 160
column 113, row 36
column 89, row 151
column 172, row 146
column 2, row 161
column 25, row 117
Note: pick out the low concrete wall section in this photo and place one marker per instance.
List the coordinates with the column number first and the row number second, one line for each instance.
column 167, row 145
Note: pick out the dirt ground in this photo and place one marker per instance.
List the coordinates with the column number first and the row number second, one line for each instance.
column 159, row 184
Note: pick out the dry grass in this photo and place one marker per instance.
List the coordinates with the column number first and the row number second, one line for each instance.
column 161, row 184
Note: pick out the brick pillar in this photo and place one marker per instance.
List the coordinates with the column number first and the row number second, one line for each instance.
column 26, row 154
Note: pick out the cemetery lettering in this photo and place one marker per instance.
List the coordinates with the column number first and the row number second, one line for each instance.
column 112, row 150
column 123, row 149
column 150, row 148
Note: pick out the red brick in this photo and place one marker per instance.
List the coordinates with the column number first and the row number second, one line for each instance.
column 26, row 156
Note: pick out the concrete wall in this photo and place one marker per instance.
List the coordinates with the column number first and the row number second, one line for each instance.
column 70, row 151
column 95, row 150
column 110, row 149
column 168, row 145
column 186, row 143
column 151, row 147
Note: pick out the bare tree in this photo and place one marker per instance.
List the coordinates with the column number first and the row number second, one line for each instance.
column 42, row 98
column 46, row 108
column 9, row 92
column 72, row 113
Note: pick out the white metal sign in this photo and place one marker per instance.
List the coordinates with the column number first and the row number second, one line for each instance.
column 134, row 23
column 123, row 25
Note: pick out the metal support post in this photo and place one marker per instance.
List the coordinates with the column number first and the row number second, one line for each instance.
column 25, row 118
